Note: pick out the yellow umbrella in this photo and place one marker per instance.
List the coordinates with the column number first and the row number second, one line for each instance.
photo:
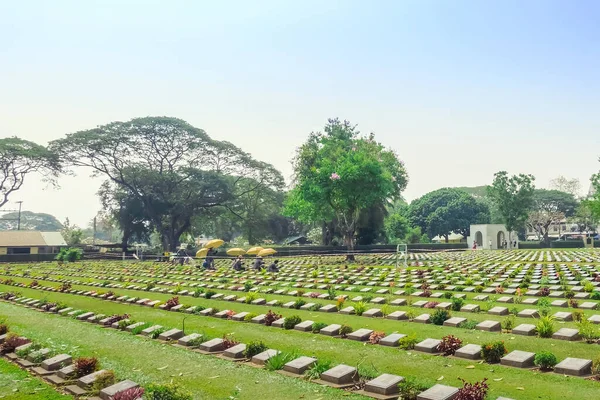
column 201, row 253
column 213, row 244
column 266, row 252
column 236, row 252
column 254, row 251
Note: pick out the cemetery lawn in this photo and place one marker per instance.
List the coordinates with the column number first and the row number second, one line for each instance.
column 148, row 361
column 139, row 358
column 16, row 384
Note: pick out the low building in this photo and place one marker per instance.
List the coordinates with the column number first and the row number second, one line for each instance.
column 30, row 242
column 452, row 238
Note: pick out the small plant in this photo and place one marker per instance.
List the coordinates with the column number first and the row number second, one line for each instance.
column 85, row 366
column 360, row 307
column 249, row 316
column 156, row 333
column 254, row 348
column 573, row 303
column 410, row 388
column 3, row 329
column 492, row 352
column 104, row 379
column 29, row 349
column 172, row 302
column 457, row 303
column 129, row 394
column 209, row 293
column 545, row 360
column 449, row 345
column 229, row 341
column 317, row 369
column 448, row 295
column 577, row 315
column 596, row 366
column 315, row 307
column 298, row 303
column 11, row 342
column 138, row 329
column 250, row 297
column 473, row 391
column 375, row 337
column 65, row 287
column 317, row 326
column 545, row 327
column 339, row 303
column 196, row 342
column 408, row 342
column 439, row 316
column 588, row 331
column 198, row 292
column 277, row 362
column 345, row 330
column 508, row 323
column 271, row 317
column 170, row 391
column 291, row 322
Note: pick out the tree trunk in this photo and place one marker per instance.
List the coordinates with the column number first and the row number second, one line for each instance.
column 349, row 242
column 446, row 237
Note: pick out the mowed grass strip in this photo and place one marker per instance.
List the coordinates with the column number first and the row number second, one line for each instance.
column 16, row 384
column 504, row 381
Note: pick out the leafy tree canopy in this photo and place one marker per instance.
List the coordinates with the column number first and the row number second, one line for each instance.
column 514, row 197
column 174, row 170
column 19, row 158
column 447, row 210
column 339, row 173
column 30, row 221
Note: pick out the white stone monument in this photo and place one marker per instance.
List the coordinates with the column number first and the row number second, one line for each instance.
column 491, row 237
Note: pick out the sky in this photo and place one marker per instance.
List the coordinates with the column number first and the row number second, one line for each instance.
column 459, row 89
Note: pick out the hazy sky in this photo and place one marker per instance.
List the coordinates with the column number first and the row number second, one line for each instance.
column 460, row 89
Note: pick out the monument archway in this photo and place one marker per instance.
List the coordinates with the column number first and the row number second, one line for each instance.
column 499, row 239
column 479, row 238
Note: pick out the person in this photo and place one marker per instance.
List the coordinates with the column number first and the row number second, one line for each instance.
column 273, row 267
column 258, row 263
column 210, row 258
column 490, row 243
column 514, row 244
column 237, row 264
column 474, row 245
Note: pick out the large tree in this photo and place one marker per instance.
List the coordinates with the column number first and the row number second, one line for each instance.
column 571, row 186
column 20, row 158
column 30, row 221
column 338, row 174
column 513, row 196
column 447, row 210
column 175, row 171
column 550, row 207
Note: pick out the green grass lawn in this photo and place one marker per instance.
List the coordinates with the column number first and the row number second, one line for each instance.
column 505, row 381
column 16, row 384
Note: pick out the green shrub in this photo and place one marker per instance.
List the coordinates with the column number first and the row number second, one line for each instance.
column 408, row 342
column 156, row 333
column 360, row 307
column 298, row 303
column 254, row 348
column 196, row 342
column 545, row 360
column 439, row 316
column 292, row 321
column 595, row 295
column 138, row 329
column 468, row 324
column 588, row 331
column 250, row 297
column 410, row 388
column 577, row 315
column 277, row 362
column 315, row 307
column 457, row 304
column 448, row 295
column 170, row 391
column 508, row 323
column 249, row 316
column 492, row 352
column 317, row 326
column 345, row 330
column 545, row 327
column 104, row 379
column 209, row 293
column 317, row 369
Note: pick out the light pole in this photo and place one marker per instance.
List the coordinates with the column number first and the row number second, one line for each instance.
column 19, row 217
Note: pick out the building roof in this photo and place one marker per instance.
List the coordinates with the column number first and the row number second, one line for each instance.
column 31, row 239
